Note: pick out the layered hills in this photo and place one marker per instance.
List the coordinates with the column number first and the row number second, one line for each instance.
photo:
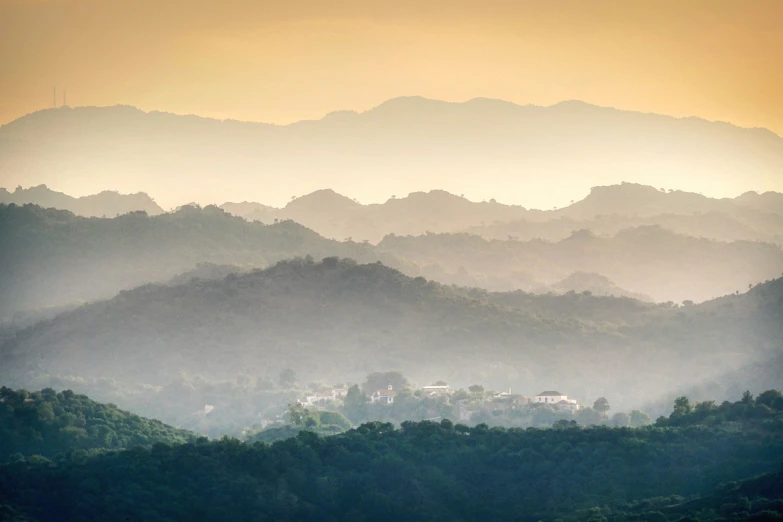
column 53, row 258
column 606, row 210
column 645, row 260
column 56, row 259
column 337, row 320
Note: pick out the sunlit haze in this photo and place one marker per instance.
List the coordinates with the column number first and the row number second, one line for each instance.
column 281, row 62
column 353, row 260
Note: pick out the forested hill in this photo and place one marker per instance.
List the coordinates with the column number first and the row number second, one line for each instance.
column 336, row 320
column 430, row 471
column 49, row 424
column 52, row 257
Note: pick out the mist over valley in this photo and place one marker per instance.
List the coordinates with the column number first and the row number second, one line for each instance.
column 206, row 305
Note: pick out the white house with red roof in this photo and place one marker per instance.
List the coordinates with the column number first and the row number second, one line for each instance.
column 383, row 396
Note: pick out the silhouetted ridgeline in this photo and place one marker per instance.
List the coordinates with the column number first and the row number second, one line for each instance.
column 336, row 320
column 605, row 211
column 52, row 257
column 428, row 471
column 645, row 260
column 403, row 144
column 105, row 204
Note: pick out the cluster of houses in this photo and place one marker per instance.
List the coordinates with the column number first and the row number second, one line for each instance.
column 324, row 397
column 500, row 400
column 508, row 401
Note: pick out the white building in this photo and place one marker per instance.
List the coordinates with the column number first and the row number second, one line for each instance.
column 383, row 396
column 435, row 389
column 570, row 405
column 549, row 397
column 321, row 397
column 556, row 399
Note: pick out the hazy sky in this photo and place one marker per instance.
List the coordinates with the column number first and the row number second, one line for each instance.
column 287, row 60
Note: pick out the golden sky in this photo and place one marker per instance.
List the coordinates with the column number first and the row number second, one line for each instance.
column 282, row 61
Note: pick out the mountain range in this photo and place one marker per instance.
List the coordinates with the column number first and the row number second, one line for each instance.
column 605, row 211
column 402, row 145
column 52, row 258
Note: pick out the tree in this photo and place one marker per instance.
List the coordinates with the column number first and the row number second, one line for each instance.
column 682, row 407
column 476, row 388
column 639, row 418
column 287, row 378
column 771, row 398
column 601, row 405
column 355, row 405
column 564, row 424
column 588, row 417
column 620, row 420
column 298, row 414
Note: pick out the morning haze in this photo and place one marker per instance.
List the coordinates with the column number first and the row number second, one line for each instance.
column 433, row 286
column 539, row 157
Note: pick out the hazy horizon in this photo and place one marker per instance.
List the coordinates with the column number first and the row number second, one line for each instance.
column 283, row 203
column 260, row 61
column 416, row 260
column 534, row 156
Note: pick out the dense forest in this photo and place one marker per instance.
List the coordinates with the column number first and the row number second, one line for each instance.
column 48, row 423
column 687, row 465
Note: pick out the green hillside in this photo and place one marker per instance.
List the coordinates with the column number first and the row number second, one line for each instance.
column 48, row 424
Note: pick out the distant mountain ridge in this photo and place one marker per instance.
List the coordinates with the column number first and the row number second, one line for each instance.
column 607, row 208
column 53, row 258
column 644, row 260
column 77, row 259
column 403, row 145
column 105, row 204
column 605, row 211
